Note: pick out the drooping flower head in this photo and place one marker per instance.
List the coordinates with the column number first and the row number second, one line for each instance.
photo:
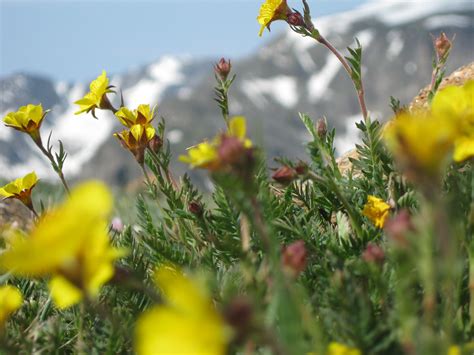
column 10, row 300
column 27, row 119
column 20, row 189
column 272, row 10
column 143, row 115
column 187, row 323
column 96, row 97
column 70, row 245
column 136, row 140
column 377, row 210
column 223, row 150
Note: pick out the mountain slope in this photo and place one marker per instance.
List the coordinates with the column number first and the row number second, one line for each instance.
column 287, row 75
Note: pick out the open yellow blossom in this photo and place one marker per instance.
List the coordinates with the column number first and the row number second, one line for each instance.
column 10, row 300
column 421, row 142
column 454, row 350
column 271, row 10
column 136, row 140
column 186, row 324
column 27, row 119
column 70, row 244
column 456, row 104
column 341, row 349
column 96, row 97
column 20, row 188
column 206, row 155
column 376, row 210
column 142, row 115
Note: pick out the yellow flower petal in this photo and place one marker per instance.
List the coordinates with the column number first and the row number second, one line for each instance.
column 376, row 210
column 63, row 293
column 10, row 300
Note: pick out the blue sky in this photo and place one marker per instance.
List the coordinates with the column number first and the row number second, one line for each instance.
column 74, row 40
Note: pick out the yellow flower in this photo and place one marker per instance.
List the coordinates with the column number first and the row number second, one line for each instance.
column 376, row 210
column 142, row 115
column 454, row 350
column 204, row 155
column 96, row 97
column 341, row 349
column 27, row 119
column 20, row 188
column 271, row 10
column 10, row 300
column 208, row 155
column 70, row 244
column 420, row 142
column 136, row 140
column 186, row 324
column 456, row 104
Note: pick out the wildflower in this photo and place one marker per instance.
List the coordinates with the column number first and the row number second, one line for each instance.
column 272, row 10
column 341, row 349
column 10, row 300
column 420, row 142
column 187, row 323
column 70, row 244
column 142, row 115
column 454, row 350
column 284, row 175
column 27, row 119
column 96, row 97
column 456, row 105
column 294, row 256
column 225, row 149
column 20, row 189
column 376, row 210
column 136, row 140
column 117, row 225
column 222, row 68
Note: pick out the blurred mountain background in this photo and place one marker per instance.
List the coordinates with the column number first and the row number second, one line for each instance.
column 282, row 77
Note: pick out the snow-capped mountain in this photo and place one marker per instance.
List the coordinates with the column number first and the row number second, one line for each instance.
column 287, row 75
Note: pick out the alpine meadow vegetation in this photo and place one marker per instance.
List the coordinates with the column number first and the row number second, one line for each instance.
column 305, row 260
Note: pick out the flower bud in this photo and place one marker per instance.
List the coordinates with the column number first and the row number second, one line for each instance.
column 322, row 127
column 284, row 175
column 295, row 19
column 398, row 226
column 301, row 168
column 239, row 313
column 117, row 225
column 231, row 150
column 155, row 144
column 442, row 45
column 294, row 257
column 222, row 68
column 195, row 208
column 373, row 254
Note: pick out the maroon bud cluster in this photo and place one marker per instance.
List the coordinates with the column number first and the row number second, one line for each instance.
column 322, row 127
column 442, row 45
column 284, row 175
column 195, row 208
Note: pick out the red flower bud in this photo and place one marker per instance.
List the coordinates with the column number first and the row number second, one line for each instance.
column 195, row 208
column 398, row 226
column 294, row 257
column 295, row 19
column 442, row 46
column 284, row 175
column 155, row 144
column 222, row 68
column 373, row 254
column 231, row 150
column 322, row 127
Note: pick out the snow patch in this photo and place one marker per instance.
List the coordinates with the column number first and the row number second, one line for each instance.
column 282, row 89
column 447, row 21
column 319, row 82
column 175, row 136
column 346, row 141
column 396, row 44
